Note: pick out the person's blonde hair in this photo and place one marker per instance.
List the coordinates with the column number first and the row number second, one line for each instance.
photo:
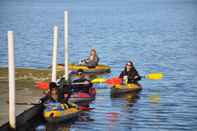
column 93, row 49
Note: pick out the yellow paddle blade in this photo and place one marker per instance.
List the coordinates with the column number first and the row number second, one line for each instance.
column 155, row 76
column 99, row 80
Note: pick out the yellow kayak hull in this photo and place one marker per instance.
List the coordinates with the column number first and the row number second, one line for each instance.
column 61, row 115
column 97, row 69
column 129, row 88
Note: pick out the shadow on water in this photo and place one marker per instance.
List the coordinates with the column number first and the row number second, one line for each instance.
column 25, row 124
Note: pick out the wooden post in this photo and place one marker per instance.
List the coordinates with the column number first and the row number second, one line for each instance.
column 66, row 44
column 11, row 66
column 54, row 59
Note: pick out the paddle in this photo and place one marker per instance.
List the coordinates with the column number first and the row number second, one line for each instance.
column 111, row 81
column 27, row 103
column 117, row 80
column 45, row 85
column 24, row 103
column 42, row 85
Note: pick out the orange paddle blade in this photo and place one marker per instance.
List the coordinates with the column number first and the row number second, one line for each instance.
column 42, row 85
column 114, row 81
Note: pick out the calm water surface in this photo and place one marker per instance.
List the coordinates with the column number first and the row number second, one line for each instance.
column 158, row 35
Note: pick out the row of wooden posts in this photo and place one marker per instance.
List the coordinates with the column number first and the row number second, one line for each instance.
column 11, row 65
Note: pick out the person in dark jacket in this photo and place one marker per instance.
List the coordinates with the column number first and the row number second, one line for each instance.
column 129, row 74
column 82, row 83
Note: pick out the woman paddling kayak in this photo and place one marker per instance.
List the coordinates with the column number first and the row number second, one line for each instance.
column 129, row 74
column 78, row 90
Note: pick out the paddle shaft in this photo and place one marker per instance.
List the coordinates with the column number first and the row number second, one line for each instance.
column 24, row 103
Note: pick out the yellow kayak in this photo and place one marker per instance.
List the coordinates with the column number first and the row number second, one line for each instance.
column 59, row 114
column 97, row 69
column 129, row 88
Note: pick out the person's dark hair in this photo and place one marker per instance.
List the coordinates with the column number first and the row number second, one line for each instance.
column 128, row 63
column 52, row 85
column 80, row 71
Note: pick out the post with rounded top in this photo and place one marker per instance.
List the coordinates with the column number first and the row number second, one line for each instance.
column 54, row 59
column 66, row 44
column 11, row 66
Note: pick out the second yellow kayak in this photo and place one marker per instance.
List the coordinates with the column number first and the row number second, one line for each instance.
column 98, row 69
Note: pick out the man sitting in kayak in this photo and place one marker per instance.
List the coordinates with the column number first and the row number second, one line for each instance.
column 92, row 60
column 129, row 74
column 81, row 83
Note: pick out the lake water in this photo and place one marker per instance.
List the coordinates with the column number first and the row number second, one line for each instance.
column 158, row 35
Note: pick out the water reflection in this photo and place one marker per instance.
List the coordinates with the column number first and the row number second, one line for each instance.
column 85, row 117
column 63, row 126
column 57, row 127
column 53, row 127
column 112, row 118
column 155, row 98
column 128, row 98
column 124, row 103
